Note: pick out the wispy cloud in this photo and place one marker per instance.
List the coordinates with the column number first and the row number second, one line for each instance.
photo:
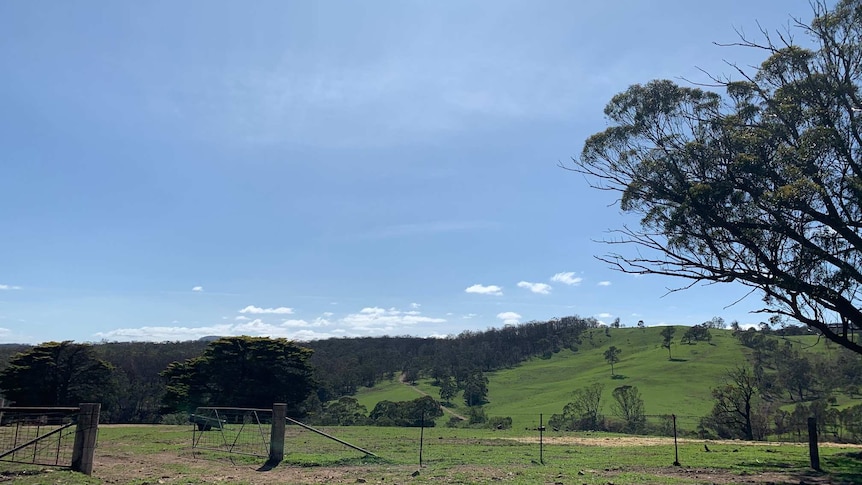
column 198, row 288
column 368, row 321
column 509, row 318
column 9, row 287
column 603, row 283
column 567, row 278
column 282, row 310
column 540, row 288
column 485, row 290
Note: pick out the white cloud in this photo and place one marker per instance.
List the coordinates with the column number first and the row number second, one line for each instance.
column 604, row 315
column 198, row 288
column 509, row 318
column 469, row 316
column 369, row 321
column 485, row 290
column 567, row 278
column 415, row 306
column 541, row 288
column 379, row 321
column 9, row 287
column 604, row 283
column 282, row 310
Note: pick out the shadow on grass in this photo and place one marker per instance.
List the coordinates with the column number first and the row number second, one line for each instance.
column 675, row 359
column 618, row 377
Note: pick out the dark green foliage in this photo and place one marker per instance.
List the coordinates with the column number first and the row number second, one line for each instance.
column 476, row 389
column 137, row 366
column 415, row 413
column 612, row 355
column 243, row 372
column 448, row 389
column 344, row 365
column 667, row 339
column 760, row 185
column 345, row 412
column 57, row 374
column 583, row 412
column 629, row 407
column 696, row 333
column 737, row 411
column 500, row 422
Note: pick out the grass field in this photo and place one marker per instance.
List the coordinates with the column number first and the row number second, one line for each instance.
column 139, row 455
column 680, row 386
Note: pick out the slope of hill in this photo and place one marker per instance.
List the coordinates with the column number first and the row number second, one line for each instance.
column 681, row 386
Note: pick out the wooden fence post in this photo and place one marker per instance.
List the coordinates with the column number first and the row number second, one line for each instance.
column 813, row 452
column 276, row 433
column 85, row 438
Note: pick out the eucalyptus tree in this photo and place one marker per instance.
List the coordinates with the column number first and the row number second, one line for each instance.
column 754, row 178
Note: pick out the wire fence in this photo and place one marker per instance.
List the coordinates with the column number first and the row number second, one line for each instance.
column 241, row 431
column 38, row 436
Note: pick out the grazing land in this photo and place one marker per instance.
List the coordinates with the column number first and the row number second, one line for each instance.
column 148, row 454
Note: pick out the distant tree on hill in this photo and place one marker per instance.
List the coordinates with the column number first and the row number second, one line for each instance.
column 696, row 333
column 667, row 339
column 583, row 412
column 415, row 413
column 241, row 371
column 58, row 374
column 448, row 389
column 612, row 355
column 476, row 389
column 345, row 412
column 629, row 406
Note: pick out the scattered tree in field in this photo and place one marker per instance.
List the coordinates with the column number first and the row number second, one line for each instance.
column 241, row 371
column 406, row 413
column 667, row 339
column 759, row 185
column 345, row 412
column 448, row 389
column 57, row 374
column 584, row 410
column 612, row 355
column 476, row 389
column 696, row 333
column 736, row 410
column 629, row 406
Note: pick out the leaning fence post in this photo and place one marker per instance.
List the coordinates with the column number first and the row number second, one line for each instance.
column 85, row 438
column 812, row 444
column 276, row 433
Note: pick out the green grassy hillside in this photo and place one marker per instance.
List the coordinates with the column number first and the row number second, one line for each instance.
column 681, row 386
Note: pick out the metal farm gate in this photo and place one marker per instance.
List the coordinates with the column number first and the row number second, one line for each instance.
column 50, row 436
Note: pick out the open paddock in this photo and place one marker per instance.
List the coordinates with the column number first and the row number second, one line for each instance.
column 146, row 454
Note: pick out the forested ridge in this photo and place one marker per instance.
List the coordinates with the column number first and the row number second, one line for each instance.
column 342, row 365
column 140, row 389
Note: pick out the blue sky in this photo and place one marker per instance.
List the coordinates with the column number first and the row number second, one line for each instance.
column 171, row 170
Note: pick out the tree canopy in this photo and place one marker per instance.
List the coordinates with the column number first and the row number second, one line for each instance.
column 57, row 374
column 761, row 185
column 241, row 371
